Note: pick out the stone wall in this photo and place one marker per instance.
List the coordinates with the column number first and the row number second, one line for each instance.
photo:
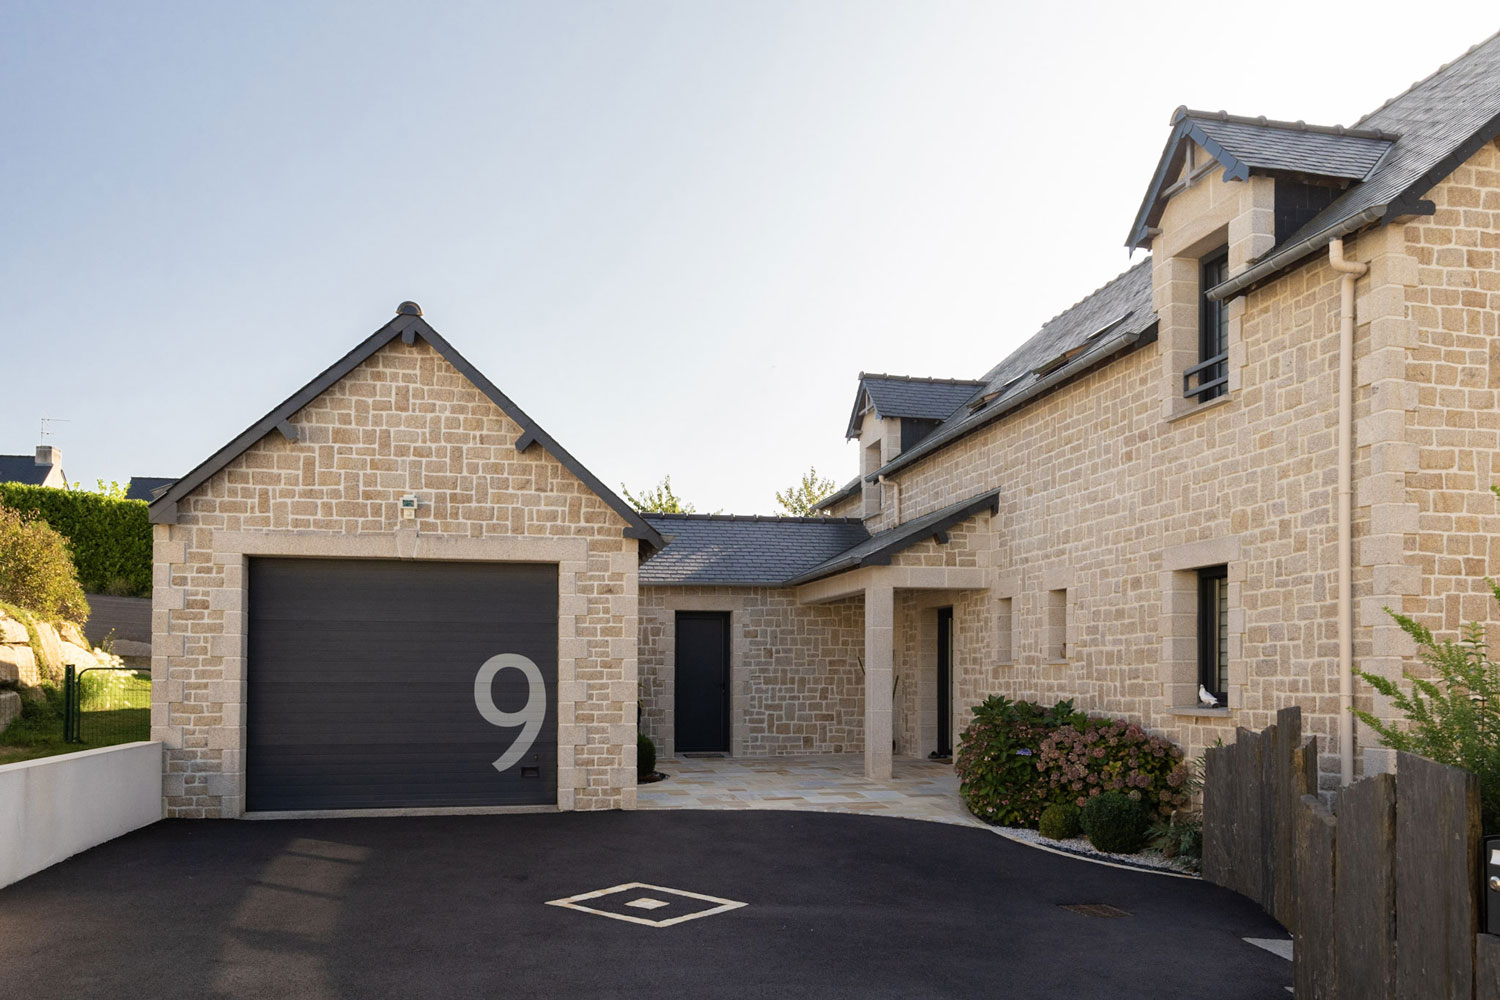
column 797, row 684
column 403, row 421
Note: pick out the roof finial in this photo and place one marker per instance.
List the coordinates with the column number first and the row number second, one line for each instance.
column 408, row 308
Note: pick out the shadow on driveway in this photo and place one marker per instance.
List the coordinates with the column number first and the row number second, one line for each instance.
column 838, row 906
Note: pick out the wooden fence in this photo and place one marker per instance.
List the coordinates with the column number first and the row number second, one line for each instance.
column 1381, row 894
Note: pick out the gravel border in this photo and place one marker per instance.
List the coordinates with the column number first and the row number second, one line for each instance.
column 1079, row 847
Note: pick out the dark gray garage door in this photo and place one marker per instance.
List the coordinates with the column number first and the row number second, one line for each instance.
column 379, row 683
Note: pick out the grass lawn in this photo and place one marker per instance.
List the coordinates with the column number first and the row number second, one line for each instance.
column 39, row 730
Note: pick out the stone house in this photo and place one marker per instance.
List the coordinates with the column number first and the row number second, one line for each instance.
column 396, row 591
column 1197, row 475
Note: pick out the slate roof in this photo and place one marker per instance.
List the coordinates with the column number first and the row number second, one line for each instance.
column 1292, row 147
column 910, row 396
column 1112, row 319
column 727, row 549
column 146, row 487
column 848, row 489
column 878, row 549
column 22, row 469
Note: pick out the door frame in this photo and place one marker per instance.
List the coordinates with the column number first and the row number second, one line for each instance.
column 727, row 619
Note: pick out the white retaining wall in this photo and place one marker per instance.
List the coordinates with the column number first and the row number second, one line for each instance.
column 52, row 808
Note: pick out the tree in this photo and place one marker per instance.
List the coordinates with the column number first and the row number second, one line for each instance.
column 36, row 569
column 658, row 500
column 800, row 499
column 112, row 489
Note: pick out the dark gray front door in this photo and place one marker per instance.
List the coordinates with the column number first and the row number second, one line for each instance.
column 702, row 685
column 377, row 683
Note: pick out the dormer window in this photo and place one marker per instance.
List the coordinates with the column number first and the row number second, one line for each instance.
column 1209, row 378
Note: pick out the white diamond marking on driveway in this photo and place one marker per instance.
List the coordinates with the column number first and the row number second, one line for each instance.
column 580, row 902
column 647, row 903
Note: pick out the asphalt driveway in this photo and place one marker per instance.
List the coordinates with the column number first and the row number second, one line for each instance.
column 836, row 906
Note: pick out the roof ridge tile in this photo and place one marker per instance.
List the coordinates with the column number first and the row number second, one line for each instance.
column 1299, row 125
column 1430, row 76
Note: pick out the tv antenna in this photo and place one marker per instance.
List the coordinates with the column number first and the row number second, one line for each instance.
column 45, row 433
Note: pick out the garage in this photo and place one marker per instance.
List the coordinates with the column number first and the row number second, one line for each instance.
column 400, row 684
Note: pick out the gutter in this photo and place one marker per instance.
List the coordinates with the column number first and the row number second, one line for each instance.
column 1103, row 353
column 1294, row 253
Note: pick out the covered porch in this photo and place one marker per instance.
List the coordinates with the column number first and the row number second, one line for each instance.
column 913, row 701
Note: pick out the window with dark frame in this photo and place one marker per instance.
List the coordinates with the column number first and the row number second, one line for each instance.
column 1209, row 378
column 1213, row 632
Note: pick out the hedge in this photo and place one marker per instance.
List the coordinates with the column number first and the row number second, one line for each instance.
column 110, row 539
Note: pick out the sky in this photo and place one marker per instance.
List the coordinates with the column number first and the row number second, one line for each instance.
column 673, row 232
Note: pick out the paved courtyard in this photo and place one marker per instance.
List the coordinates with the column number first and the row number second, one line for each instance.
column 918, row 789
column 691, row 904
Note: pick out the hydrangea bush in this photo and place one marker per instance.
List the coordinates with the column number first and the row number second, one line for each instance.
column 1108, row 755
column 997, row 759
column 1016, row 758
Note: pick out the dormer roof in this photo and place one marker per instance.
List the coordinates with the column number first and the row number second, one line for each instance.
column 1245, row 146
column 909, row 396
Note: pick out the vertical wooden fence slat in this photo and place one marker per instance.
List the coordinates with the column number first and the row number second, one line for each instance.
column 1219, row 778
column 1270, row 748
column 1487, row 967
column 1437, row 879
column 1285, row 791
column 1246, row 833
column 1314, row 972
column 1365, row 886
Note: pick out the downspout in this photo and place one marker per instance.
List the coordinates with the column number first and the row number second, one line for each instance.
column 1349, row 272
column 895, row 495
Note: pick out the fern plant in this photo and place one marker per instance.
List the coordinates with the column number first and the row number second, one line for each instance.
column 1454, row 717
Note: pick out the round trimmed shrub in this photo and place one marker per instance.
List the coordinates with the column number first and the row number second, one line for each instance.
column 1114, row 822
column 645, row 757
column 1059, row 822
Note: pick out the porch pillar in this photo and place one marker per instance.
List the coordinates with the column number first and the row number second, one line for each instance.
column 879, row 675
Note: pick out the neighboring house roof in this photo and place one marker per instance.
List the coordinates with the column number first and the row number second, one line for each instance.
column 146, row 487
column 726, row 549
column 23, row 469
column 1257, row 145
column 878, row 549
column 408, row 325
column 1112, row 319
column 909, row 396
column 1442, row 121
